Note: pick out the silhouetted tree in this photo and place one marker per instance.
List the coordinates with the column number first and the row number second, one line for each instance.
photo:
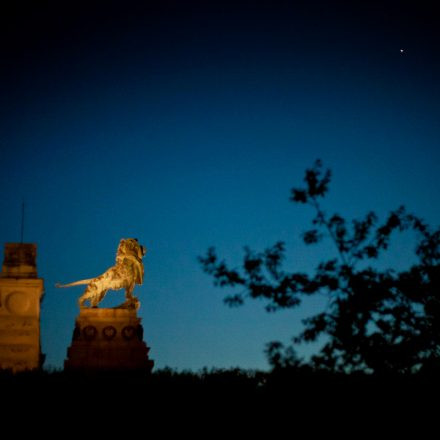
column 377, row 320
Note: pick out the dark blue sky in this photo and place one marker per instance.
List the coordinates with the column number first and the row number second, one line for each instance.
column 185, row 124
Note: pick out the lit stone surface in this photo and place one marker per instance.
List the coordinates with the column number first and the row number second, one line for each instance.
column 20, row 297
column 125, row 274
column 108, row 340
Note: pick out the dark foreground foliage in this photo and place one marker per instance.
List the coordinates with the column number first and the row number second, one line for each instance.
column 299, row 384
column 230, row 402
column 217, row 402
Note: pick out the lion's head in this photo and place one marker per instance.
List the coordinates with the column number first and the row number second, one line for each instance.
column 131, row 246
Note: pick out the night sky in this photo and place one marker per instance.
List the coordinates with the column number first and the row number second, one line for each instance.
column 185, row 125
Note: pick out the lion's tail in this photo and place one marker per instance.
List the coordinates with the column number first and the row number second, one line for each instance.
column 76, row 283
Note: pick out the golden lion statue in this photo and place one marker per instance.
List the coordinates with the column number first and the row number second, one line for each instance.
column 128, row 271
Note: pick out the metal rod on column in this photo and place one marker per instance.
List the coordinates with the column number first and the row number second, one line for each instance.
column 22, row 221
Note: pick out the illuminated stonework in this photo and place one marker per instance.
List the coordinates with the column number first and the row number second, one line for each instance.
column 108, row 340
column 20, row 297
column 125, row 274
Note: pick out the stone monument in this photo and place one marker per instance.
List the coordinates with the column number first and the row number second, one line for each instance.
column 21, row 292
column 111, row 339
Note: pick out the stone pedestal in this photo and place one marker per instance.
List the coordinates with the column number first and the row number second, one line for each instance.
column 20, row 296
column 108, row 340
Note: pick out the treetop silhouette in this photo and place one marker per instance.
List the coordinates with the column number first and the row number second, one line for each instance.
column 377, row 320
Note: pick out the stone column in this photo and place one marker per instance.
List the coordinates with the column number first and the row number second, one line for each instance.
column 108, row 339
column 20, row 297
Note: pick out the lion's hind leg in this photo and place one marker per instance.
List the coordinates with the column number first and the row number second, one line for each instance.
column 98, row 298
column 91, row 294
column 82, row 300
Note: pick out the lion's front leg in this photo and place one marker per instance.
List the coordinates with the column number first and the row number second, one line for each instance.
column 130, row 300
